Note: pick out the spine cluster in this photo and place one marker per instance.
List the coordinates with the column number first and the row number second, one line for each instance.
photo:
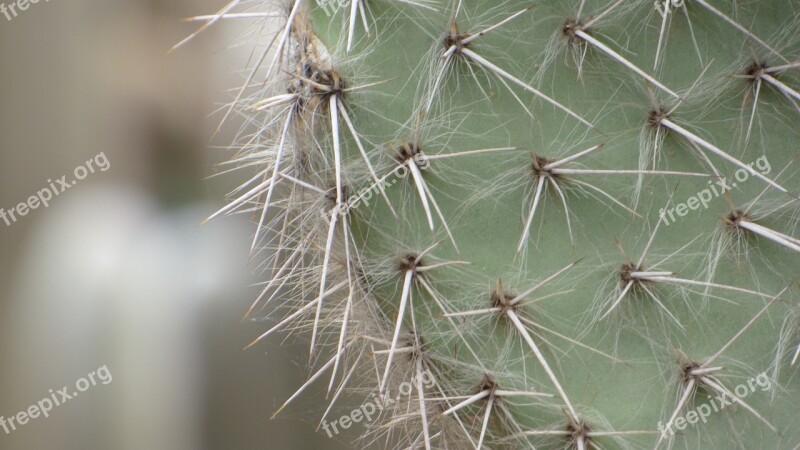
column 405, row 196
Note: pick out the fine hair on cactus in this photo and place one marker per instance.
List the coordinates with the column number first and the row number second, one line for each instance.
column 554, row 224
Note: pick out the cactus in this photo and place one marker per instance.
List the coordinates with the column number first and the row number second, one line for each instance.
column 561, row 224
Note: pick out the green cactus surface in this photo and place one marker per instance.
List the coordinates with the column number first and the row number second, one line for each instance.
column 563, row 224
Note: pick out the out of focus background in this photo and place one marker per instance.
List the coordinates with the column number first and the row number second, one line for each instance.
column 117, row 272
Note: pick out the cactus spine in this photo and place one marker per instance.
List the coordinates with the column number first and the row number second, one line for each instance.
column 561, row 224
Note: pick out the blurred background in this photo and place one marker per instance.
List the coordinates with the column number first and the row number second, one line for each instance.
column 117, row 271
